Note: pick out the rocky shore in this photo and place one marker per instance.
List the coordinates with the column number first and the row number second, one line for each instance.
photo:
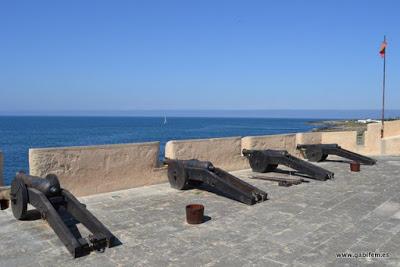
column 339, row 125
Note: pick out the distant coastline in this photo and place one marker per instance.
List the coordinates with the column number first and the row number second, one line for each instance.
column 337, row 125
column 341, row 125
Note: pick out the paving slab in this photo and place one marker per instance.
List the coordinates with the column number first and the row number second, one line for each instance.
column 303, row 225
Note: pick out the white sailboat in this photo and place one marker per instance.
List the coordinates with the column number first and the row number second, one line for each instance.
column 165, row 119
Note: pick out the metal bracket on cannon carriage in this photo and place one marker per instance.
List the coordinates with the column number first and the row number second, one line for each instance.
column 184, row 174
column 286, row 182
column 319, row 152
column 57, row 206
column 268, row 160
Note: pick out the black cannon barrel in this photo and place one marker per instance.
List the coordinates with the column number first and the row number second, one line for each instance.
column 268, row 160
column 247, row 152
column 49, row 186
column 184, row 174
column 193, row 163
column 319, row 152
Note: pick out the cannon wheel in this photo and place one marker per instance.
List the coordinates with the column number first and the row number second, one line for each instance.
column 258, row 165
column 324, row 157
column 271, row 167
column 177, row 176
column 314, row 156
column 19, row 199
column 195, row 183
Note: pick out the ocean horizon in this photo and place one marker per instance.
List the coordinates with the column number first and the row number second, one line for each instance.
column 220, row 113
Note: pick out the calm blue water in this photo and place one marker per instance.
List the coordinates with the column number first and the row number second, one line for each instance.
column 18, row 134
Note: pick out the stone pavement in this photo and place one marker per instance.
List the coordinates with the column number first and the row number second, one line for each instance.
column 302, row 225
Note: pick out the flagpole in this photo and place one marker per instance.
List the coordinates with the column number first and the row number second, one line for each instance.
column 383, row 90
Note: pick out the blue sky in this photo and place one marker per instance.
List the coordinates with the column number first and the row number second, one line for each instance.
column 130, row 55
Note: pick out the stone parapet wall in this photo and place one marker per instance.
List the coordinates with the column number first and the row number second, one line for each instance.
column 391, row 146
column 224, row 153
column 309, row 138
column 347, row 140
column 96, row 169
column 372, row 140
column 4, row 193
column 392, row 128
column 279, row 141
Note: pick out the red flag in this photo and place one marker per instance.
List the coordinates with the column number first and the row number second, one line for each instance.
column 382, row 50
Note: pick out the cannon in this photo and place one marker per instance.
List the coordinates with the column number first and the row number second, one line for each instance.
column 185, row 174
column 58, row 206
column 320, row 152
column 268, row 160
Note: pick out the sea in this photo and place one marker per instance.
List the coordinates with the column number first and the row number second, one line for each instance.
column 19, row 133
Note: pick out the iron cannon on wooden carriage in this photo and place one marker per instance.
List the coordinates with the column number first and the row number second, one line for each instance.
column 184, row 174
column 61, row 210
column 320, row 152
column 268, row 160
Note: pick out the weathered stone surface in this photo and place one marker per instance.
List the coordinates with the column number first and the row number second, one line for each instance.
column 279, row 142
column 372, row 140
column 391, row 145
column 4, row 192
column 222, row 152
column 347, row 140
column 302, row 225
column 392, row 128
column 309, row 138
column 96, row 169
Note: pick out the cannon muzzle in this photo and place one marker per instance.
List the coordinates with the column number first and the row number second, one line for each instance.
column 49, row 186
